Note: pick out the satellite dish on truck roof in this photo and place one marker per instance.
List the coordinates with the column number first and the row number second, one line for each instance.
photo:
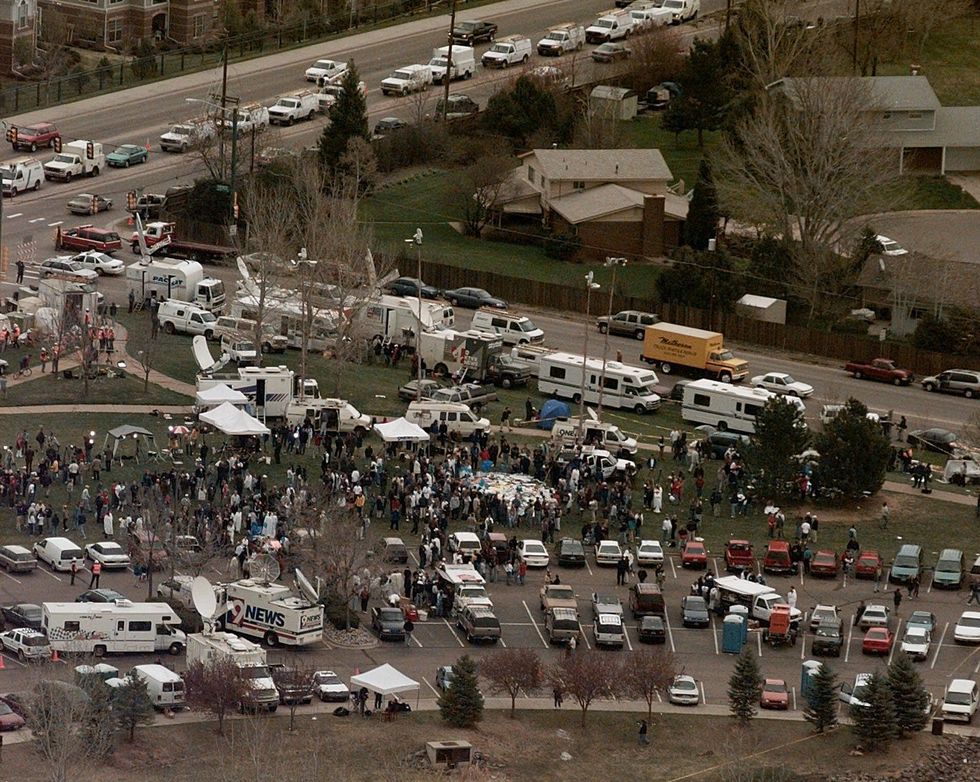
column 307, row 589
column 264, row 568
column 202, row 596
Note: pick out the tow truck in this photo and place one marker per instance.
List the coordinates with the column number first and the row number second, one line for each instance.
column 159, row 235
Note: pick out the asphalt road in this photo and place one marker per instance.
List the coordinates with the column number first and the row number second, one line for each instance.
column 698, row 651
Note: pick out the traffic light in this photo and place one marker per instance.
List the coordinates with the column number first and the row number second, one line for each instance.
column 89, row 150
column 234, row 204
column 131, row 201
column 94, row 207
column 12, row 135
column 56, row 143
column 4, row 260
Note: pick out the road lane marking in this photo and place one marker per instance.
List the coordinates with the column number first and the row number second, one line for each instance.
column 626, row 635
column 940, row 646
column 453, row 631
column 793, row 691
column 714, row 561
column 803, row 647
column 894, row 641
column 56, row 578
column 16, row 581
column 670, row 634
column 15, row 214
column 704, row 698
column 417, row 641
column 503, row 643
column 430, row 686
column 536, row 628
column 588, row 566
column 37, row 220
column 758, row 637
column 714, row 635
column 672, row 568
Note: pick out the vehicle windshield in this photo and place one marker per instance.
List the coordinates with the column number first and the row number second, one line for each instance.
column 562, row 592
column 969, row 621
column 63, row 159
column 5, row 709
column 554, row 36
column 391, row 615
column 208, row 317
column 604, row 23
column 324, row 65
column 527, row 326
column 906, row 561
column 773, row 687
column 328, row 679
column 402, row 75
column 181, row 130
column 35, row 640
column 948, row 566
column 723, row 355
column 685, row 685
column 7, row 172
column 958, row 698
column 501, row 48
column 256, row 672
column 827, row 631
column 859, row 692
column 915, row 633
column 440, row 61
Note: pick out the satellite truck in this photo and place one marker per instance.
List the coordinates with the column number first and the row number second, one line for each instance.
column 207, row 646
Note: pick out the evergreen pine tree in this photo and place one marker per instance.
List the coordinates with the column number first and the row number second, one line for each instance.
column 821, row 710
column 854, row 453
column 461, row 704
column 875, row 724
column 347, row 119
column 703, row 214
column 780, row 434
column 910, row 697
column 131, row 705
column 745, row 686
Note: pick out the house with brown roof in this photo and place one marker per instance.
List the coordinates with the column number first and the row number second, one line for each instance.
column 616, row 201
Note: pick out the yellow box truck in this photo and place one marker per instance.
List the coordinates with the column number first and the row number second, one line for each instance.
column 674, row 348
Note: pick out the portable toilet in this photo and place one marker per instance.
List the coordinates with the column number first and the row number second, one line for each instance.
column 734, row 634
column 808, row 671
column 739, row 610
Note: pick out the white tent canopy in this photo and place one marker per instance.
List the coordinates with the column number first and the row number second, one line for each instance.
column 219, row 394
column 385, row 679
column 229, row 419
column 401, row 431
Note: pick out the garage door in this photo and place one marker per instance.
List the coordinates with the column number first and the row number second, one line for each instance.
column 962, row 159
column 922, row 160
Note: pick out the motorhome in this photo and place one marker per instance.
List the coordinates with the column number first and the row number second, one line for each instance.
column 623, row 386
column 727, row 407
column 106, row 628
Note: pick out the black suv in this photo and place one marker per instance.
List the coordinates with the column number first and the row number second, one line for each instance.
column 571, row 553
column 827, row 639
column 719, row 442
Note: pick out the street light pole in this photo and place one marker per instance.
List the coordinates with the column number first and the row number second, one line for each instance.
column 417, row 241
column 589, row 287
column 615, row 263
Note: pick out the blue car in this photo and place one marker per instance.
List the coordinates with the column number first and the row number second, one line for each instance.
column 127, row 155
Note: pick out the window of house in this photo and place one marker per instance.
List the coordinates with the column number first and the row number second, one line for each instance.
column 199, row 22
column 578, row 185
column 114, row 30
column 23, row 15
column 530, row 174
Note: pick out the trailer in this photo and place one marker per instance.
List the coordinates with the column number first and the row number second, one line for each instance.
column 107, row 628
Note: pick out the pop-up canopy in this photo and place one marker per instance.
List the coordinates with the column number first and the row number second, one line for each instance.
column 401, row 430
column 127, row 432
column 230, row 420
column 385, row 679
column 219, row 394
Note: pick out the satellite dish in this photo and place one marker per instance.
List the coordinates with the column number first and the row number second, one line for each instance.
column 264, row 568
column 308, row 590
column 591, row 414
column 242, row 268
column 202, row 595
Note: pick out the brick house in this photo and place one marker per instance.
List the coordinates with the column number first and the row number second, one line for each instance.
column 18, row 22
column 616, row 201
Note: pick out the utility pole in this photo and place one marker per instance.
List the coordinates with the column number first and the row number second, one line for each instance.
column 417, row 241
column 615, row 263
column 589, row 287
column 449, row 61
column 857, row 17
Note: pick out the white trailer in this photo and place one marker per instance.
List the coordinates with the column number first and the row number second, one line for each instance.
column 727, row 407
column 397, row 317
column 273, row 612
column 181, row 280
column 205, row 648
column 285, row 318
column 624, row 386
column 106, row 628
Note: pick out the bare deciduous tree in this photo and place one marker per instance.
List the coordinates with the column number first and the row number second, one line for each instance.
column 513, row 671
column 586, row 675
column 803, row 165
column 645, row 673
column 476, row 188
column 657, row 56
column 294, row 680
column 217, row 688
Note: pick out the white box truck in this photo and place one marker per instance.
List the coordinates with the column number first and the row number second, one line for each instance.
column 108, row 628
column 463, row 63
column 294, row 107
column 181, row 280
column 249, row 657
column 77, row 158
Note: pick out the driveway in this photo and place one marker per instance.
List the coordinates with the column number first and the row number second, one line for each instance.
column 953, row 234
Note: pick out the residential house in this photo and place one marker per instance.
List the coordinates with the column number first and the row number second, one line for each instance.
column 929, row 138
column 18, row 33
column 616, row 201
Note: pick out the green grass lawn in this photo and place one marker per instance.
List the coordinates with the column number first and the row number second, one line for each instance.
column 681, row 151
column 49, row 390
column 937, row 192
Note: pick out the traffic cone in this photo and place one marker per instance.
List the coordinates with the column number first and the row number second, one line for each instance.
column 130, row 222
column 357, row 671
column 2, row 663
column 148, row 147
column 54, row 656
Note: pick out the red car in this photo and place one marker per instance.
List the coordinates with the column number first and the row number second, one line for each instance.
column 10, row 719
column 43, row 134
column 878, row 640
column 88, row 237
column 738, row 556
column 774, row 694
column 824, row 563
column 867, row 564
column 694, row 555
column 777, row 558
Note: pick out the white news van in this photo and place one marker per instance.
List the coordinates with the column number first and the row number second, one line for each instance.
column 727, row 407
column 249, row 657
column 20, row 175
column 397, row 317
column 592, row 432
column 165, row 688
column 625, row 386
column 105, row 628
column 181, row 280
column 457, row 417
column 340, row 415
column 272, row 611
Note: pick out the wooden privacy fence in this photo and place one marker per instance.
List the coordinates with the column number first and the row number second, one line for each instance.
column 797, row 339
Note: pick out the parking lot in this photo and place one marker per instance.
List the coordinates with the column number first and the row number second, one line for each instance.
column 698, row 652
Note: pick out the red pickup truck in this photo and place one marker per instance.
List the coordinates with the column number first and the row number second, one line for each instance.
column 738, row 556
column 882, row 369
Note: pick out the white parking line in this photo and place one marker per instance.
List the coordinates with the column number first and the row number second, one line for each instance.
column 977, row 669
column 758, row 637
column 36, row 220
column 803, row 647
column 626, row 635
column 793, row 692
column 714, row 561
column 847, row 649
column 419, row 643
column 453, row 631
column 670, row 635
column 15, row 214
column 588, row 566
column 503, row 643
column 659, row 699
column 704, row 698
column 16, row 581
column 895, row 642
column 8, row 656
column 430, row 686
column 585, row 635
column 714, row 635
column 544, row 643
column 48, row 572
column 801, row 576
column 55, row 225
column 940, row 646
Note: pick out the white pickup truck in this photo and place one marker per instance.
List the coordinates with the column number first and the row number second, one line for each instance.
column 184, row 135
column 77, row 158
column 562, row 39
column 510, row 50
column 411, row 78
column 294, row 107
column 614, row 25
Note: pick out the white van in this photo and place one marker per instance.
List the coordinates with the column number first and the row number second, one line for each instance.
column 339, row 414
column 179, row 316
column 512, row 328
column 239, row 349
column 23, row 174
column 58, row 553
column 244, row 327
column 960, row 700
column 165, row 688
column 466, row 543
column 457, row 417
column 597, row 433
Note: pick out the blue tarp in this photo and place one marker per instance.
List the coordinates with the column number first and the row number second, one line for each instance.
column 551, row 410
